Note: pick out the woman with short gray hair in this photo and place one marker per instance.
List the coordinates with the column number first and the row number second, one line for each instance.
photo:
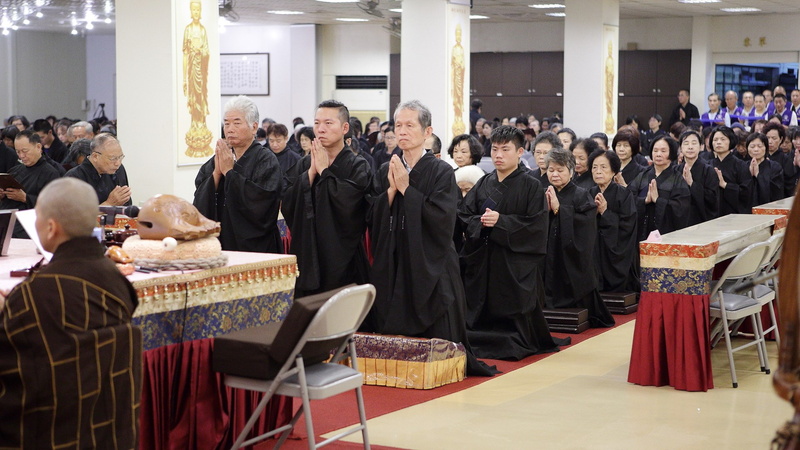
column 570, row 280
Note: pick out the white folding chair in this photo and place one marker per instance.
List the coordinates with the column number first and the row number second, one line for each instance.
column 728, row 308
column 301, row 373
column 762, row 292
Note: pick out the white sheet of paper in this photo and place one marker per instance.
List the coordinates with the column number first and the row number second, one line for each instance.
column 28, row 220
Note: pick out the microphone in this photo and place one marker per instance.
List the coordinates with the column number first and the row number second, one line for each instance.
column 113, row 211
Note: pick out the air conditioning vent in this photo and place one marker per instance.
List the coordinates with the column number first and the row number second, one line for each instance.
column 362, row 82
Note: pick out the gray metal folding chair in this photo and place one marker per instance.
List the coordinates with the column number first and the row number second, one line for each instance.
column 301, row 373
column 728, row 308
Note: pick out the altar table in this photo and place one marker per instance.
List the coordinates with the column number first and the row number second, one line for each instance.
column 671, row 336
column 184, row 402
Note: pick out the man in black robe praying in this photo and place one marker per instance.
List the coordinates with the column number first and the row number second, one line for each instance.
column 325, row 207
column 240, row 186
column 104, row 171
column 415, row 271
column 33, row 174
column 505, row 222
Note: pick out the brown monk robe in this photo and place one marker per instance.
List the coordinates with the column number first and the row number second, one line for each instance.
column 70, row 360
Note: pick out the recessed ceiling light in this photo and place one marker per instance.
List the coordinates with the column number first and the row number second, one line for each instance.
column 477, row 16
column 351, row 19
column 547, row 5
column 39, row 14
column 698, row 1
column 558, row 14
column 285, row 13
column 397, row 10
column 738, row 10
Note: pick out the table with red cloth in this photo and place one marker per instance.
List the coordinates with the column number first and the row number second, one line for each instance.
column 671, row 336
column 184, row 402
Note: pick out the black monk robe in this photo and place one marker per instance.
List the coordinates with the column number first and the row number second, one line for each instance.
column 736, row 197
column 617, row 248
column 246, row 201
column 768, row 186
column 504, row 267
column 327, row 220
column 584, row 180
column 570, row 280
column 704, row 192
column 415, row 269
column 670, row 211
column 631, row 171
column 33, row 179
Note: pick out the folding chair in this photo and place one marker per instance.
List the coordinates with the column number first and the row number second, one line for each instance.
column 728, row 308
column 762, row 291
column 290, row 359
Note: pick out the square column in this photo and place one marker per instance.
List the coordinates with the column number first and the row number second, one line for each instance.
column 435, row 68
column 591, row 66
column 168, row 97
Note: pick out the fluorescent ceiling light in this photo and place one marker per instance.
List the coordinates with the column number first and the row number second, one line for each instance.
column 285, row 13
column 739, row 10
column 477, row 16
column 547, row 6
column 351, row 19
column 698, row 1
column 558, row 14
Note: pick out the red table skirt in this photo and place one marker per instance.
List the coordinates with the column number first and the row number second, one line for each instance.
column 185, row 404
column 671, row 342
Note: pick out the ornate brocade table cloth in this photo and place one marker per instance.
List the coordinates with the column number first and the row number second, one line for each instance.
column 671, row 338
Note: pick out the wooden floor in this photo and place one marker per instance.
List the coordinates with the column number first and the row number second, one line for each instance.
column 579, row 399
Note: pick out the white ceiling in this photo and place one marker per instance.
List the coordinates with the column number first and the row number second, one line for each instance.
column 58, row 14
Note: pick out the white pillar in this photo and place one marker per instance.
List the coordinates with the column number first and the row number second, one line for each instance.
column 151, row 106
column 303, row 43
column 591, row 66
column 435, row 53
column 702, row 78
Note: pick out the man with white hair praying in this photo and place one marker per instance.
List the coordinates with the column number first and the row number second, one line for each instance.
column 240, row 186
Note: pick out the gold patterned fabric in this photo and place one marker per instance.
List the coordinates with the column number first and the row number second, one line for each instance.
column 70, row 360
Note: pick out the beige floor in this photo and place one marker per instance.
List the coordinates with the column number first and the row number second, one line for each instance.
column 579, row 399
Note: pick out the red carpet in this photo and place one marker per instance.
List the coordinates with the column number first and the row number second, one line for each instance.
column 340, row 411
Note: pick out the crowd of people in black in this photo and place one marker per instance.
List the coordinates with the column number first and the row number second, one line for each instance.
column 528, row 216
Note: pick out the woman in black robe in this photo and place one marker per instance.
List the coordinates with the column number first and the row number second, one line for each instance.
column 617, row 249
column 505, row 221
column 626, row 146
column 733, row 177
column 701, row 179
column 570, row 279
column 661, row 194
column 581, row 149
column 767, row 174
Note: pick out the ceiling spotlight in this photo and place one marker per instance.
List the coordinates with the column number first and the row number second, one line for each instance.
column 89, row 26
column 26, row 21
column 74, row 32
column 740, row 10
column 5, row 32
column 39, row 14
column 108, row 20
column 14, row 27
